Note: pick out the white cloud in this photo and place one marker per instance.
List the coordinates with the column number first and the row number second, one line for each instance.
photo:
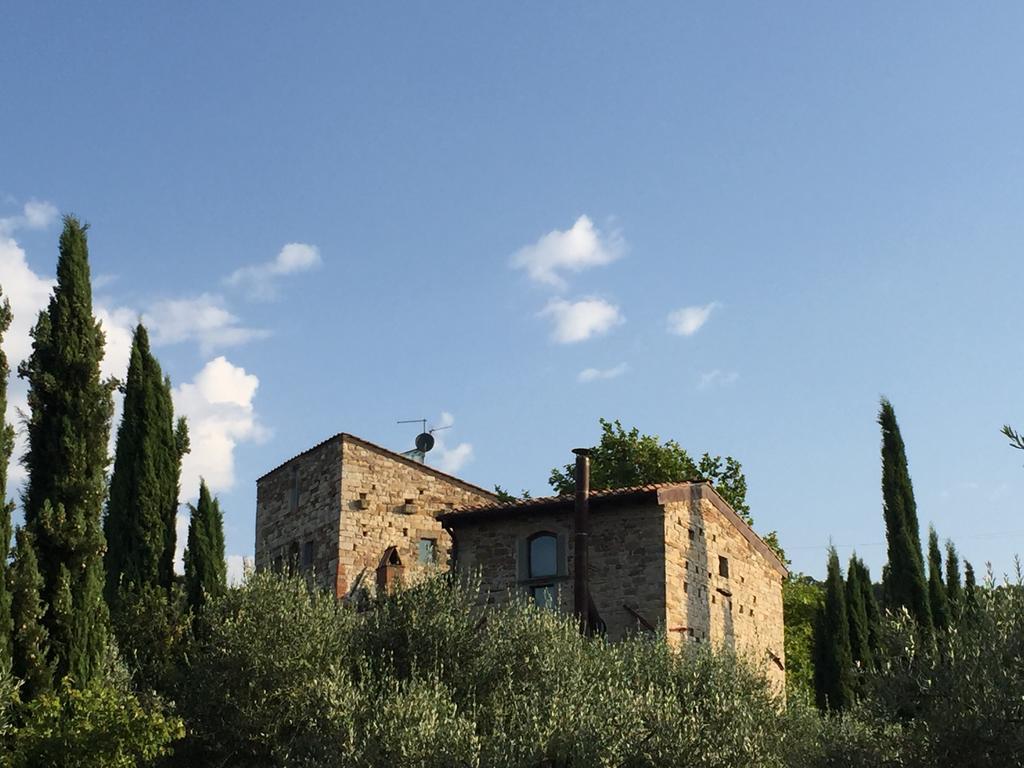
column 717, row 378
column 449, row 460
column 259, row 279
column 35, row 214
column 594, row 374
column 203, row 319
column 28, row 293
column 688, row 320
column 181, row 540
column 573, row 250
column 239, row 566
column 218, row 404
column 118, row 325
column 39, row 214
column 578, row 321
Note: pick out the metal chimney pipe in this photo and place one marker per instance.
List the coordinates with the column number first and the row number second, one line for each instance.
column 581, row 535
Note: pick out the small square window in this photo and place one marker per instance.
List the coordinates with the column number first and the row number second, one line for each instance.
column 428, row 551
column 691, row 534
column 723, row 567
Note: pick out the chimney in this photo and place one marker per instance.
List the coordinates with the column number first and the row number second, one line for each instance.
column 581, row 536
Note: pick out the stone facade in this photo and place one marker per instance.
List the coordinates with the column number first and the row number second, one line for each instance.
column 718, row 584
column 334, row 510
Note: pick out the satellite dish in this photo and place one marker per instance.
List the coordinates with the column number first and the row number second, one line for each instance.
column 424, row 441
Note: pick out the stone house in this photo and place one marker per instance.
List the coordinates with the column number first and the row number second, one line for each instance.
column 335, row 510
column 672, row 557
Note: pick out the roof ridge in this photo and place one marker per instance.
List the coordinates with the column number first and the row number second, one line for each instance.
column 566, row 497
column 413, row 463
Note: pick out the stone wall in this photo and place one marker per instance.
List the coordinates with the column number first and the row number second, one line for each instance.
column 741, row 610
column 297, row 508
column 387, row 500
column 626, row 559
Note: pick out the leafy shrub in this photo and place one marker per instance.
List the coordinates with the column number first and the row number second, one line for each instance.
column 961, row 698
column 151, row 629
column 103, row 725
column 258, row 668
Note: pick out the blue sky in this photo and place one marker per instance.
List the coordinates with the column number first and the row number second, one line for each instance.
column 748, row 222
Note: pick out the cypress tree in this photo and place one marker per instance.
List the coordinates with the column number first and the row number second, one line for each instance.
column 936, row 589
column 871, row 610
column 67, row 459
column 954, row 592
column 970, row 589
column 141, row 510
column 6, row 507
column 205, row 567
column 833, row 667
column 30, row 661
column 857, row 614
column 905, row 584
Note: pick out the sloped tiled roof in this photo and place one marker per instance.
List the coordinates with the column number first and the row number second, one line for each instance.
column 542, row 502
column 659, row 492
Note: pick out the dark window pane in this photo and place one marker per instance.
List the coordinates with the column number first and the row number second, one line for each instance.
column 543, row 556
column 723, row 566
column 544, row 596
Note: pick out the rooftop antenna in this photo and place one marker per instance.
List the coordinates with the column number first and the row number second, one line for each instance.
column 425, row 439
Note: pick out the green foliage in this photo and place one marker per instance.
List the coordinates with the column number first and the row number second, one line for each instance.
column 857, row 616
column 67, row 459
column 426, row 677
column 905, row 582
column 140, row 520
column 937, row 599
column 6, row 507
column 152, row 629
column 833, row 662
column 802, row 598
column 970, row 589
column 6, row 617
column 263, row 679
column 506, row 497
column 30, row 646
column 954, row 592
column 960, row 697
column 205, row 567
column 623, row 459
column 1015, row 438
column 99, row 725
column 871, row 610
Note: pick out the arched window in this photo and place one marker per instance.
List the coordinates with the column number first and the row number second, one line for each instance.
column 543, row 555
column 542, row 563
